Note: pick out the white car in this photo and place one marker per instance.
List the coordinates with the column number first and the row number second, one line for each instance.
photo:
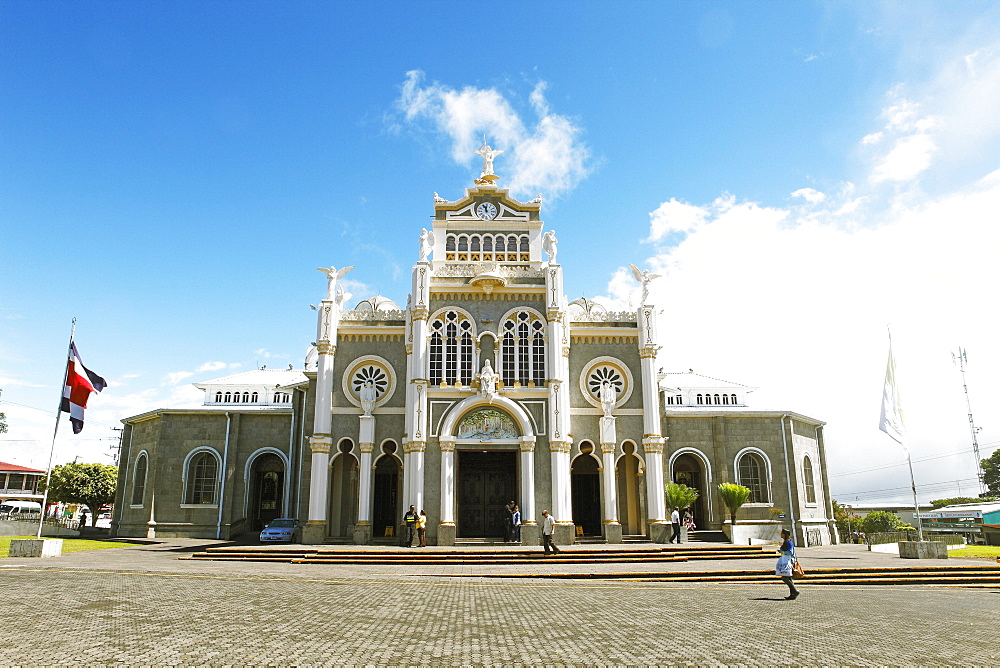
column 282, row 530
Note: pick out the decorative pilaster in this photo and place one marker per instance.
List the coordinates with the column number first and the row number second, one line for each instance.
column 652, row 440
column 315, row 529
column 417, row 474
column 608, row 440
column 446, row 529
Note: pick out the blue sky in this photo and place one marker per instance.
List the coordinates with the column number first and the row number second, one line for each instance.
column 801, row 174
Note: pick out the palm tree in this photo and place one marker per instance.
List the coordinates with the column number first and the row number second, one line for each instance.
column 680, row 496
column 734, row 496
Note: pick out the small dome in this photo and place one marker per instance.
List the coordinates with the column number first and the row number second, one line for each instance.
column 377, row 303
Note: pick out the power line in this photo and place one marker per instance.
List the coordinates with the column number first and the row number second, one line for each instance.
column 889, row 466
column 891, row 491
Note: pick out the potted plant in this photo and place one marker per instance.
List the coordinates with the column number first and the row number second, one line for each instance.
column 734, row 496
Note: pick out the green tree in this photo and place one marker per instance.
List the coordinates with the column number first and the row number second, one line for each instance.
column 680, row 496
column 734, row 496
column 92, row 485
column 941, row 503
column 991, row 473
column 882, row 521
column 845, row 519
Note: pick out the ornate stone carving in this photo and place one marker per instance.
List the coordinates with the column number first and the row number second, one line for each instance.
column 469, row 269
column 488, row 381
column 488, row 155
column 487, row 424
column 549, row 242
column 373, row 316
column 606, row 316
column 644, row 277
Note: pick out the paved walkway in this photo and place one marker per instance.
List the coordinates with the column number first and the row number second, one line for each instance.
column 142, row 605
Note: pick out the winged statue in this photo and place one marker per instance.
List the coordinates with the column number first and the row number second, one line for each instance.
column 333, row 275
column 644, row 277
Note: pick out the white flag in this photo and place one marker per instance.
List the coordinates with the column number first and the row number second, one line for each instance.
column 892, row 408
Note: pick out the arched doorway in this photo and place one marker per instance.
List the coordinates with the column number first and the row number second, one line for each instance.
column 585, row 482
column 386, row 513
column 688, row 471
column 343, row 509
column 630, row 511
column 267, row 490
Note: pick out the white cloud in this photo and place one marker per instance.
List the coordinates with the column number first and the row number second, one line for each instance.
column 796, row 299
column 176, row 377
column 810, row 195
column 544, row 154
column 215, row 366
column 15, row 382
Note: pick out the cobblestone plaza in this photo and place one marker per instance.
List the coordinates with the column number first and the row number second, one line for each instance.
column 142, row 605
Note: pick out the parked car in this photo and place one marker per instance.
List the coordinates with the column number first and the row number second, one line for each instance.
column 282, row 530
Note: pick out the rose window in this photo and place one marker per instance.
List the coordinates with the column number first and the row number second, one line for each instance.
column 376, row 374
column 605, row 374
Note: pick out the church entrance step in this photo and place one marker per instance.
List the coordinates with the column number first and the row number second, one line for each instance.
column 636, row 539
column 707, row 537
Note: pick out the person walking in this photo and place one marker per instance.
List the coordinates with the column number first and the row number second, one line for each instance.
column 548, row 527
column 783, row 568
column 675, row 523
column 410, row 520
column 422, row 529
column 516, row 519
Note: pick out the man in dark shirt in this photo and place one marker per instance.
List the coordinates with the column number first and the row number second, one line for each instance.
column 410, row 520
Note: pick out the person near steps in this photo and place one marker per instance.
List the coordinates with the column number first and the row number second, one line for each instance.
column 783, row 568
column 548, row 527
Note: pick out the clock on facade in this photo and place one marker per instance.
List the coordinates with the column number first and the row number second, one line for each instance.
column 486, row 211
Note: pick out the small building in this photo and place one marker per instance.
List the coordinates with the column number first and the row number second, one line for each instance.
column 19, row 483
column 903, row 511
column 972, row 520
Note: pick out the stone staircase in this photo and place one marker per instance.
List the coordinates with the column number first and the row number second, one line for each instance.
column 471, row 556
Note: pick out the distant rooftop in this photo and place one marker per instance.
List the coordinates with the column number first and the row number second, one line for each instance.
column 690, row 380
column 14, row 468
column 268, row 377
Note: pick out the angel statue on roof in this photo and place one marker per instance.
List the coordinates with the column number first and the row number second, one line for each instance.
column 488, row 155
column 644, row 277
column 426, row 243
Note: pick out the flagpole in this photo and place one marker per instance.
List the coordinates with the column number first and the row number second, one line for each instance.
column 55, row 431
column 916, row 506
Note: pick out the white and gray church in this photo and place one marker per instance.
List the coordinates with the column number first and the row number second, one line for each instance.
column 489, row 386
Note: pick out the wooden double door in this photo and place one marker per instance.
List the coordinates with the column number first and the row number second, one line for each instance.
column 487, row 481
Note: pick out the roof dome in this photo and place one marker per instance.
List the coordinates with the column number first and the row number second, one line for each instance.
column 377, row 303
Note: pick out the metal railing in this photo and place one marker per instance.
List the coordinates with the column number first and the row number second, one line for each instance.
column 896, row 536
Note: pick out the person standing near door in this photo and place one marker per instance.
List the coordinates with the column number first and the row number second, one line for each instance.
column 548, row 527
column 516, row 519
column 410, row 520
column 508, row 522
column 675, row 523
column 422, row 529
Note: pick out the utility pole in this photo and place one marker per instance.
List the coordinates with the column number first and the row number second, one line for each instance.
column 961, row 360
column 116, row 446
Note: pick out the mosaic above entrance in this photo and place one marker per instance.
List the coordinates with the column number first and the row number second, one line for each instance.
column 487, row 424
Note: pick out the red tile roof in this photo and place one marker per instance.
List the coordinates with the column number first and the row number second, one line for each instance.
column 14, row 468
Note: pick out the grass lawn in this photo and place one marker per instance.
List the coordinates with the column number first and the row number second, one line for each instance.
column 69, row 544
column 976, row 552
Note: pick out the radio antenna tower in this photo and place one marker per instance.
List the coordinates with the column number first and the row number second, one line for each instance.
column 961, row 360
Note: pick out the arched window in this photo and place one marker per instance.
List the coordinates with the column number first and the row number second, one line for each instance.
column 218, row 397
column 229, row 397
column 732, row 399
column 451, row 349
column 753, row 475
column 717, row 401
column 246, row 397
column 698, row 399
column 679, row 400
column 139, row 480
column 522, row 349
column 253, row 398
column 807, row 476
column 725, row 399
column 202, row 479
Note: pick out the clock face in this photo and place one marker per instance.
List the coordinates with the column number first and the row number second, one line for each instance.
column 486, row 211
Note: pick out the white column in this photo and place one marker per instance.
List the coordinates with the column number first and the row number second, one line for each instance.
column 448, row 483
column 417, row 475
column 318, row 479
column 528, row 482
column 560, row 439
column 562, row 507
column 652, row 439
column 366, row 443
column 609, row 437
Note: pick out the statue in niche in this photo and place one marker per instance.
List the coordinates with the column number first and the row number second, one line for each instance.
column 644, row 277
column 367, row 394
column 488, row 155
column 488, row 381
column 549, row 242
column 426, row 244
column 609, row 397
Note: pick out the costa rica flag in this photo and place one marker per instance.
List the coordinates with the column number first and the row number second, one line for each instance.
column 81, row 382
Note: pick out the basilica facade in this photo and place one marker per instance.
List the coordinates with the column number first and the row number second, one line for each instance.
column 488, row 386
